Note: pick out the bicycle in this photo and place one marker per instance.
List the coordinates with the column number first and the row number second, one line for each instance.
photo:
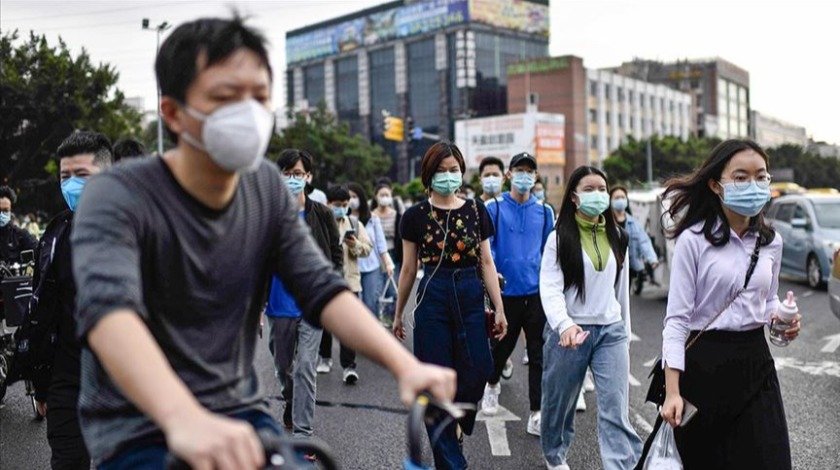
column 287, row 453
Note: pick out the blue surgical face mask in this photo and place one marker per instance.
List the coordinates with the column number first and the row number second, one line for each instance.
column 446, row 183
column 5, row 218
column 339, row 212
column 593, row 203
column 746, row 201
column 491, row 185
column 296, row 184
column 619, row 205
column 71, row 189
column 540, row 195
column 523, row 182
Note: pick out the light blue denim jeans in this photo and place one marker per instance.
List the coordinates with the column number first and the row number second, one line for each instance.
column 607, row 353
column 371, row 289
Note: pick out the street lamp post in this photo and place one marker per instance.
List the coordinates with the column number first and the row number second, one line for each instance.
column 159, row 29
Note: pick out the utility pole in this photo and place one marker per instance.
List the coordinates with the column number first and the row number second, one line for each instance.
column 159, row 29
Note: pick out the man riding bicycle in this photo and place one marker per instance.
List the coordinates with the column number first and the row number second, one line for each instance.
column 172, row 263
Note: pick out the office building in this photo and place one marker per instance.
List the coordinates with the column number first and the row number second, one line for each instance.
column 773, row 132
column 431, row 60
column 601, row 108
column 720, row 91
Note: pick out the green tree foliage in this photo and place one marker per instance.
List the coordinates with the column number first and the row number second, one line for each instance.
column 45, row 94
column 339, row 156
column 671, row 156
column 809, row 170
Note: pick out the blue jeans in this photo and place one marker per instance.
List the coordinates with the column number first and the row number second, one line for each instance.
column 371, row 288
column 152, row 456
column 450, row 331
column 607, row 353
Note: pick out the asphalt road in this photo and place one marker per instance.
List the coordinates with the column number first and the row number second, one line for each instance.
column 365, row 423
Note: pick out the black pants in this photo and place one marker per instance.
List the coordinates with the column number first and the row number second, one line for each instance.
column 740, row 422
column 523, row 313
column 346, row 356
column 65, row 439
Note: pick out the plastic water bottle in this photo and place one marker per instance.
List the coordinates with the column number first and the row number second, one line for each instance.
column 787, row 312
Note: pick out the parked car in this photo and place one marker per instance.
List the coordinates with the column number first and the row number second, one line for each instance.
column 834, row 286
column 810, row 227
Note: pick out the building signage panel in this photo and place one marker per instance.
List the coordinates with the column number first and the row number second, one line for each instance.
column 402, row 22
column 550, row 141
column 518, row 15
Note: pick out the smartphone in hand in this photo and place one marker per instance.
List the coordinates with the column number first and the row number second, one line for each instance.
column 349, row 233
column 581, row 337
column 689, row 411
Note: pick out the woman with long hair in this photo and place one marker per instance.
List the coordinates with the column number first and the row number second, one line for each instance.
column 640, row 248
column 723, row 292
column 378, row 262
column 584, row 286
column 449, row 237
column 385, row 207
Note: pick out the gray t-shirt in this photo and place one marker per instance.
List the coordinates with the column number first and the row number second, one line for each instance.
column 196, row 276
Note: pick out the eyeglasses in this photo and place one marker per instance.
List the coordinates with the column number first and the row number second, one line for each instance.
column 743, row 181
column 294, row 174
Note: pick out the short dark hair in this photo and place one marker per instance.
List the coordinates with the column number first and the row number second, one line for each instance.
column 8, row 193
column 338, row 193
column 82, row 142
column 128, row 148
column 487, row 161
column 176, row 65
column 436, row 154
column 290, row 157
column 177, row 59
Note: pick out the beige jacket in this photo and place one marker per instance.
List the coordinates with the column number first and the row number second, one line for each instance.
column 351, row 255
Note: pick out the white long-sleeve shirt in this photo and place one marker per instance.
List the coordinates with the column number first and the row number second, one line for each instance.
column 705, row 277
column 604, row 305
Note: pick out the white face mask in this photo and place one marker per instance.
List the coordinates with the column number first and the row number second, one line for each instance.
column 354, row 203
column 234, row 135
column 385, row 201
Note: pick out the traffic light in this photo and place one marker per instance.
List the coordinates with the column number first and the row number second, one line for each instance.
column 394, row 129
column 409, row 128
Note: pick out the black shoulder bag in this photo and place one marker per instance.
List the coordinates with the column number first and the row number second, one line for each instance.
column 656, row 391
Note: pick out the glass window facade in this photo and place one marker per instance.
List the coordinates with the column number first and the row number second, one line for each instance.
column 383, row 91
column 313, row 84
column 494, row 53
column 733, row 109
column 347, row 92
column 423, row 85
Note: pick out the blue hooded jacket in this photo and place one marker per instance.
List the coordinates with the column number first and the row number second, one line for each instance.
column 517, row 247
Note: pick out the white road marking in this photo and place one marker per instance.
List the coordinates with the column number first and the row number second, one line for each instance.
column 832, row 345
column 831, row 368
column 641, row 422
column 634, row 382
column 651, row 362
column 807, row 294
column 496, row 431
column 634, row 337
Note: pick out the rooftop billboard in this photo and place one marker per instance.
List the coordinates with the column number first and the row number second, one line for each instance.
column 414, row 19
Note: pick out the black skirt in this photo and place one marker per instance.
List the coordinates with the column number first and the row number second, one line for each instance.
column 740, row 424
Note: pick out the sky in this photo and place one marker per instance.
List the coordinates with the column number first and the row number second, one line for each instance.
column 790, row 47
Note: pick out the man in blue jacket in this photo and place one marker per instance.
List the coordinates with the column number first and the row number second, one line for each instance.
column 522, row 224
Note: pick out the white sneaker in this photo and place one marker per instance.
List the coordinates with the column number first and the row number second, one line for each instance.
column 507, row 372
column 581, row 403
column 324, row 366
column 588, row 383
column 562, row 466
column 525, row 359
column 490, row 401
column 350, row 376
column 534, row 423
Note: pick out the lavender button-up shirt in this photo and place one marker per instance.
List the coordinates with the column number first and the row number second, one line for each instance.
column 704, row 278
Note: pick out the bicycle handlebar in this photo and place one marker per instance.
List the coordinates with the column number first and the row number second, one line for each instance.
column 427, row 410
column 280, row 452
